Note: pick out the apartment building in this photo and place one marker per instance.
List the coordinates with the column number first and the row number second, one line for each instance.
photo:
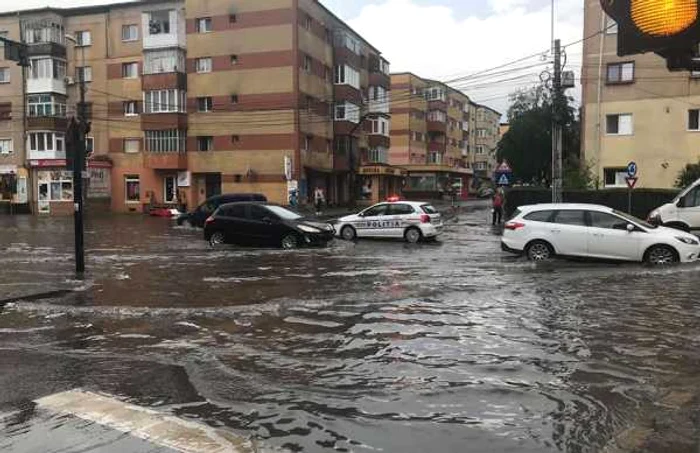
column 634, row 109
column 431, row 136
column 487, row 134
column 188, row 99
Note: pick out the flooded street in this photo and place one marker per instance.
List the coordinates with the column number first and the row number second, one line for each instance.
column 374, row 346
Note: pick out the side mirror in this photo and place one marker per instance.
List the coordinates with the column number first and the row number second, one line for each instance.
column 630, row 228
column 361, row 214
column 681, row 202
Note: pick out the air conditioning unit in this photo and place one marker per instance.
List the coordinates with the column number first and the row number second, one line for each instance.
column 69, row 81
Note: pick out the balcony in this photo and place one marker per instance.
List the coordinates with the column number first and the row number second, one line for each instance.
column 437, row 105
column 163, row 121
column 47, row 85
column 437, row 147
column 164, row 29
column 51, row 49
column 47, row 123
column 379, row 106
column 380, row 79
column 46, row 155
column 378, row 141
column 165, row 81
column 165, row 161
column 437, row 126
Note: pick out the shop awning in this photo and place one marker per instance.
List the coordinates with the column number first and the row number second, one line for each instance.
column 382, row 170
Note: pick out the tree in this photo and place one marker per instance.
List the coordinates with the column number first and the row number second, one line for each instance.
column 688, row 175
column 527, row 145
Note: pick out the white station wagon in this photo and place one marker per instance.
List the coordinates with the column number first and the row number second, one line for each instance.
column 586, row 230
column 411, row 220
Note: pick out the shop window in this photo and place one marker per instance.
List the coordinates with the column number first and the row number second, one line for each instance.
column 132, row 186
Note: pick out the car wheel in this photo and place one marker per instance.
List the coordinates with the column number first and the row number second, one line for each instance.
column 348, row 233
column 661, row 255
column 217, row 238
column 412, row 235
column 539, row 251
column 290, row 241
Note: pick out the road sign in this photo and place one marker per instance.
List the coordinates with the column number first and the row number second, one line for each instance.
column 631, row 181
column 632, row 169
column 503, row 180
column 504, row 168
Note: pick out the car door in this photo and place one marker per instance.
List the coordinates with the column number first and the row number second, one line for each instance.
column 397, row 219
column 265, row 226
column 609, row 238
column 231, row 220
column 568, row 232
column 689, row 208
column 369, row 224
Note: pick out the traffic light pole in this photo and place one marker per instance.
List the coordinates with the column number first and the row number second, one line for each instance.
column 557, row 166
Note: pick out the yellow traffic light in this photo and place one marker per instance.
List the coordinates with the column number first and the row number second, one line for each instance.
column 664, row 17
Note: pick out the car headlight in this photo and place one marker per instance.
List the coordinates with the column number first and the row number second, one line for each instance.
column 308, row 229
column 688, row 241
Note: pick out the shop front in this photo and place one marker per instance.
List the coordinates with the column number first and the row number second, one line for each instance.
column 438, row 182
column 13, row 189
column 380, row 182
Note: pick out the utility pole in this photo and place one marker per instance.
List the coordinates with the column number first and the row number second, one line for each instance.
column 557, row 182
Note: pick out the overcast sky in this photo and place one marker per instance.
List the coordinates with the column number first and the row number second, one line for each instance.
column 448, row 39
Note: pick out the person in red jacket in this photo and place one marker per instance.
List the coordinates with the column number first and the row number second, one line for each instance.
column 498, row 202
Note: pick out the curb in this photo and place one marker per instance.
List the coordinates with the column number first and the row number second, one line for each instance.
column 36, row 296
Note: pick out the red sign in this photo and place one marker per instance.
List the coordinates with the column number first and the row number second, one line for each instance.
column 47, row 163
column 631, row 182
column 504, row 168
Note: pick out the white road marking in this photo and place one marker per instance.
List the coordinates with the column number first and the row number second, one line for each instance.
column 147, row 424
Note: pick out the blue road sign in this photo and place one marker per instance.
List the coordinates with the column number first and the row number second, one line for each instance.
column 503, row 180
column 632, row 169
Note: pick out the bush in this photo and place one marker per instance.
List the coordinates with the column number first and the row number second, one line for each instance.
column 643, row 200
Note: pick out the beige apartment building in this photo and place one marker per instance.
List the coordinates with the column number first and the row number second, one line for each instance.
column 634, row 109
column 192, row 98
column 487, row 134
column 431, row 136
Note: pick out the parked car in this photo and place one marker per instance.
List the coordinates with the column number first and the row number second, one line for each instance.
column 586, row 230
column 197, row 217
column 683, row 213
column 261, row 224
column 411, row 220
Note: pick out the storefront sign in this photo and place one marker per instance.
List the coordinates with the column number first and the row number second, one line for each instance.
column 100, row 183
column 184, row 179
column 47, row 163
column 288, row 168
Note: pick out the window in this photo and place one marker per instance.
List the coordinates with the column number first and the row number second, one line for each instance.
column 615, row 177
column 400, row 209
column 620, row 73
column 83, row 73
column 132, row 186
column 480, row 149
column 619, row 124
column 235, row 138
column 83, row 38
column 307, row 22
column 437, row 116
column 6, row 146
column 205, row 104
column 307, row 142
column 570, row 217
column 89, row 145
column 347, row 112
column 481, row 133
column 205, row 143
column 4, row 75
column 164, row 61
column 164, row 101
column 610, row 26
column 47, row 68
column 346, row 75
column 380, row 126
column 234, row 99
column 130, row 70
column 480, row 166
column 203, row 25
column 234, row 60
column 417, row 136
column 539, row 216
column 308, row 63
column 46, row 32
column 131, row 108
column 46, row 105
column 377, row 155
column 377, row 93
column 693, row 120
column 203, row 65
column 237, row 211
column 166, row 141
column 434, row 157
column 130, row 32
column 159, row 22
column 55, row 186
column 46, row 141
column 132, row 145
column 691, row 199
column 435, row 94
column 605, row 220
column 232, row 19
column 376, row 211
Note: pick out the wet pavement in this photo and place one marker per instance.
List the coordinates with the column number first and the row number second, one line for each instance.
column 374, row 346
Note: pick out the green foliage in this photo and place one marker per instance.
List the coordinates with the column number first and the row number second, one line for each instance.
column 527, row 145
column 578, row 175
column 688, row 175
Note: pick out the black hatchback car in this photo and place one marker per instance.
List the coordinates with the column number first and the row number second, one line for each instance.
column 197, row 217
column 261, row 224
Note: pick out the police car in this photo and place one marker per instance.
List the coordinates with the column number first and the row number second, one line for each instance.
column 413, row 221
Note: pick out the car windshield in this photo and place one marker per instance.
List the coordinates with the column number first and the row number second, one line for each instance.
column 428, row 209
column 633, row 219
column 284, row 213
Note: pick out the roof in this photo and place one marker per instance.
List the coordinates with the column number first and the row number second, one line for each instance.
column 544, row 206
column 334, row 16
column 80, row 10
column 481, row 106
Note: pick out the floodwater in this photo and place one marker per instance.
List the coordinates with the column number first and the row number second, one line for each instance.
column 367, row 347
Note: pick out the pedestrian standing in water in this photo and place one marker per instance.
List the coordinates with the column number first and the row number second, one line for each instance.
column 319, row 199
column 498, row 202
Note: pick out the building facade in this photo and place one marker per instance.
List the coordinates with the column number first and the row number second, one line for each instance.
column 634, row 109
column 487, row 134
column 188, row 99
column 431, row 136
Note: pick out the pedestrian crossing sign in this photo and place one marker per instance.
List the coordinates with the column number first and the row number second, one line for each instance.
column 503, row 180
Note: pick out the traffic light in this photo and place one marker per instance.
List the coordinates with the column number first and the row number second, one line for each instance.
column 669, row 28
